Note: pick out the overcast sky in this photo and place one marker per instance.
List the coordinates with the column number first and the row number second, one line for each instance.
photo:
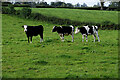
column 88, row 2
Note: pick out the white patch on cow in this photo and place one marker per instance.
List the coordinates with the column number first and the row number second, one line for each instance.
column 72, row 33
column 72, row 27
column 53, row 27
column 96, row 27
column 87, row 28
column 25, row 28
column 61, row 36
column 61, row 26
column 95, row 32
column 77, row 30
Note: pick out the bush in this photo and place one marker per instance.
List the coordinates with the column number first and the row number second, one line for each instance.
column 5, row 10
column 25, row 12
column 18, row 12
column 11, row 9
column 8, row 10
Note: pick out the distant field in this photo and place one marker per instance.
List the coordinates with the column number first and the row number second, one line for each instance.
column 96, row 16
column 56, row 59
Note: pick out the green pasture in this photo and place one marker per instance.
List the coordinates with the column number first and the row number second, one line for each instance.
column 96, row 16
column 53, row 58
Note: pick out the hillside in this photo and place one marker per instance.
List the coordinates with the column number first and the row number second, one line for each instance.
column 95, row 16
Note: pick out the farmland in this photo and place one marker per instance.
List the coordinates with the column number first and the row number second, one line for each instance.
column 78, row 14
column 56, row 59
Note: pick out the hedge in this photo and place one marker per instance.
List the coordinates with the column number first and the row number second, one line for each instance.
column 26, row 13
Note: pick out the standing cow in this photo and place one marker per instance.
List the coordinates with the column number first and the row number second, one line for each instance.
column 64, row 31
column 33, row 31
column 88, row 30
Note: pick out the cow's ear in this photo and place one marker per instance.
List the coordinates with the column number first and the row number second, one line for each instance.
column 22, row 26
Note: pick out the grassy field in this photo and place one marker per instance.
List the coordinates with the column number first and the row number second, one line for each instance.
column 53, row 58
column 95, row 16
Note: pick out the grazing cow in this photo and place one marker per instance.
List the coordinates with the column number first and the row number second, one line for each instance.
column 33, row 31
column 88, row 30
column 64, row 31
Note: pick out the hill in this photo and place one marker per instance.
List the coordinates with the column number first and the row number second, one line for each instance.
column 96, row 16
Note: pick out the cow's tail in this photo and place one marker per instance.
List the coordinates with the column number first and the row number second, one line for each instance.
column 72, row 33
column 72, row 28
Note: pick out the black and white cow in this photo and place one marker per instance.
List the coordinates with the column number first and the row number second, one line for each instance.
column 64, row 31
column 88, row 30
column 33, row 31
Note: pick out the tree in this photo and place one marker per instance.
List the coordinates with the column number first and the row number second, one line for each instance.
column 84, row 5
column 77, row 5
column 114, row 4
column 98, row 5
column 69, row 5
column 103, row 1
column 102, row 4
column 43, row 4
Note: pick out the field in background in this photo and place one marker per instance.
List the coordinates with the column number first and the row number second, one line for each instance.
column 96, row 16
column 53, row 58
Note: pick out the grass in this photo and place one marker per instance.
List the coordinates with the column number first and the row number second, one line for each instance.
column 53, row 58
column 96, row 16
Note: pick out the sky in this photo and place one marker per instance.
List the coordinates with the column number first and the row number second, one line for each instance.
column 88, row 2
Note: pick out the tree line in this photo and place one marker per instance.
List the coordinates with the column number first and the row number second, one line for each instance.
column 62, row 4
column 26, row 13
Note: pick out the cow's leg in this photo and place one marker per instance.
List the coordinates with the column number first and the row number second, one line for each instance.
column 86, row 38
column 82, row 38
column 62, row 37
column 31, row 39
column 28, row 39
column 94, row 37
column 98, row 37
column 72, row 36
column 41, row 35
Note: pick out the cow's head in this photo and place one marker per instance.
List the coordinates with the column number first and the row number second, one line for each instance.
column 54, row 29
column 77, row 30
column 25, row 28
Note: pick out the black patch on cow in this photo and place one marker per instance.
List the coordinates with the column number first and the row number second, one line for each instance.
column 83, row 30
column 63, row 29
column 95, row 28
column 90, row 30
column 34, row 31
column 67, row 29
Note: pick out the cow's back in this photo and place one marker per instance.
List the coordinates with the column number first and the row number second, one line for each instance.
column 35, row 30
column 67, row 29
column 83, row 30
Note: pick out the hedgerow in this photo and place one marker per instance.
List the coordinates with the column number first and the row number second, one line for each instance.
column 26, row 13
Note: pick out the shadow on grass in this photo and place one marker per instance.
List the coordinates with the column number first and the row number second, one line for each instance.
column 37, row 62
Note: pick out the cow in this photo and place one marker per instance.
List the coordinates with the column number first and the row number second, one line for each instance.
column 33, row 31
column 64, row 31
column 88, row 30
